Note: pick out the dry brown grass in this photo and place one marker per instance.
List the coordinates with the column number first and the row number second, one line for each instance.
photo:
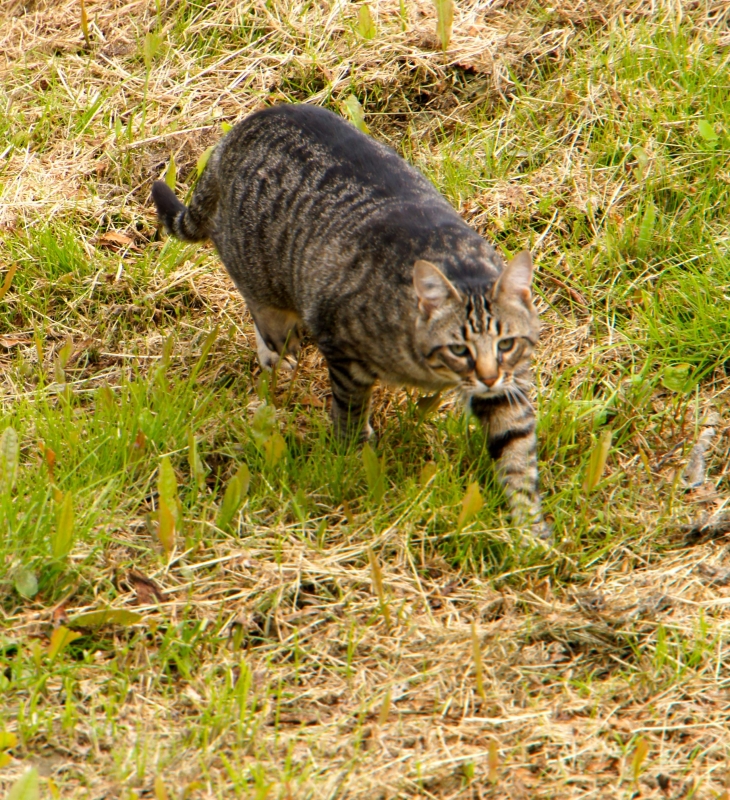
column 581, row 659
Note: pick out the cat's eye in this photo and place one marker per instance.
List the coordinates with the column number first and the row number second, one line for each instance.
column 506, row 344
column 459, row 350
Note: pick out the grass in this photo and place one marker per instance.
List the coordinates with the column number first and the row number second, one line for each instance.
column 336, row 627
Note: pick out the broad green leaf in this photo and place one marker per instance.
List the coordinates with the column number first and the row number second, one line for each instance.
column 263, row 423
column 597, row 461
column 355, row 112
column 167, row 346
column 167, row 482
column 230, row 504
column 203, row 160
column 61, row 638
column 646, row 230
column 207, row 344
column 63, row 536
column 105, row 398
column 26, row 787
column 171, row 173
column 384, row 712
column 152, row 42
column 377, row 576
column 233, row 496
column 59, row 376
column 7, row 740
column 197, row 468
column 137, row 448
column 244, row 478
column 640, row 754
column 164, row 363
column 471, row 504
column 365, row 22
column 38, row 341
column 160, row 791
column 226, row 126
column 166, row 525
column 642, row 159
column 374, row 472
column 65, row 352
column 6, row 285
column 274, row 449
column 9, row 459
column 445, row 21
column 676, row 377
column 62, row 357
column 707, row 131
column 5, row 759
column 26, row 583
column 107, row 616
column 428, row 471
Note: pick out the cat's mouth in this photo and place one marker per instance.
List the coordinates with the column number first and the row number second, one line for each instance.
column 477, row 388
column 485, row 391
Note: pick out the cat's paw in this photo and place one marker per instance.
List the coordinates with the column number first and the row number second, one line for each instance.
column 268, row 358
column 538, row 535
column 346, row 430
column 541, row 530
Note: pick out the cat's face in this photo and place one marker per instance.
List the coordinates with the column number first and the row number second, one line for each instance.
column 480, row 343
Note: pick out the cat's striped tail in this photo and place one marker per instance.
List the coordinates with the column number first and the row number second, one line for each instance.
column 192, row 223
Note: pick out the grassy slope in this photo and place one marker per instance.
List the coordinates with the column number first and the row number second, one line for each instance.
column 272, row 664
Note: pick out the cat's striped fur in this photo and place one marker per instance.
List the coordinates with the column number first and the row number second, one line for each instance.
column 323, row 229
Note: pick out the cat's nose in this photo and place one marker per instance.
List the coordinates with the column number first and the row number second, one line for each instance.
column 487, row 370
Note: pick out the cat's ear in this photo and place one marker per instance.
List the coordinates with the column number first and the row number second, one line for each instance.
column 516, row 280
column 433, row 288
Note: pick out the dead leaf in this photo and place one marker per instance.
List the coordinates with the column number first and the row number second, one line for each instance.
column 714, row 575
column 602, row 766
column 574, row 294
column 147, row 590
column 59, row 616
column 13, row 341
column 311, row 400
column 116, row 241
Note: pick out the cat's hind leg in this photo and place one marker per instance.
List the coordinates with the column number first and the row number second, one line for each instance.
column 278, row 335
column 268, row 358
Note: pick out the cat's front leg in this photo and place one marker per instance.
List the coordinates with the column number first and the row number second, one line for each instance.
column 510, row 427
column 352, row 388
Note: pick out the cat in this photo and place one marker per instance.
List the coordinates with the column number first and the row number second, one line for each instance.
column 325, row 230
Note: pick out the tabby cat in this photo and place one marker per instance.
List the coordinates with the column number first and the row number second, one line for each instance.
column 326, row 230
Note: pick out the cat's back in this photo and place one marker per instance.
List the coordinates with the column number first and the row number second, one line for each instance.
column 306, row 137
column 311, row 210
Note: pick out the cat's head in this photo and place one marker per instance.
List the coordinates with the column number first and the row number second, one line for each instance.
column 480, row 341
